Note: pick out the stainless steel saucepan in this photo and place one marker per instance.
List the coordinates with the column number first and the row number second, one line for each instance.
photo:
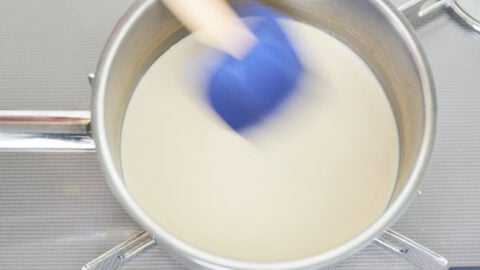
column 373, row 28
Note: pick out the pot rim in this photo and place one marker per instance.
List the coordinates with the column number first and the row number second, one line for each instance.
column 212, row 261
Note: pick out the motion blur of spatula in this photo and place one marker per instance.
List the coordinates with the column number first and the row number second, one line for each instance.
column 259, row 70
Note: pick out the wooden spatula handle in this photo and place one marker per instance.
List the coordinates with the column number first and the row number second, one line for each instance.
column 215, row 24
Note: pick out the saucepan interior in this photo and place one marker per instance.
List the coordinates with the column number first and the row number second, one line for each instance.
column 371, row 28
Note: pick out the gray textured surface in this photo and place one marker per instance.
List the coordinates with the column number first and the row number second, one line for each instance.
column 56, row 211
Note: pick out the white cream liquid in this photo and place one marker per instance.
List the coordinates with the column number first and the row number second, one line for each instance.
column 299, row 184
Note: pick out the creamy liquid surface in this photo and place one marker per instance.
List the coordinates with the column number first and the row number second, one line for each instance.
column 299, row 184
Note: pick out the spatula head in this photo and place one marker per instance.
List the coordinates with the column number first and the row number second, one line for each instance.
column 244, row 92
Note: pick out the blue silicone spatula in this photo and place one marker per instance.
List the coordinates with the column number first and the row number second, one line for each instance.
column 259, row 69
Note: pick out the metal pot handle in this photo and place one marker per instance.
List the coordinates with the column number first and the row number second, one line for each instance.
column 46, row 131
